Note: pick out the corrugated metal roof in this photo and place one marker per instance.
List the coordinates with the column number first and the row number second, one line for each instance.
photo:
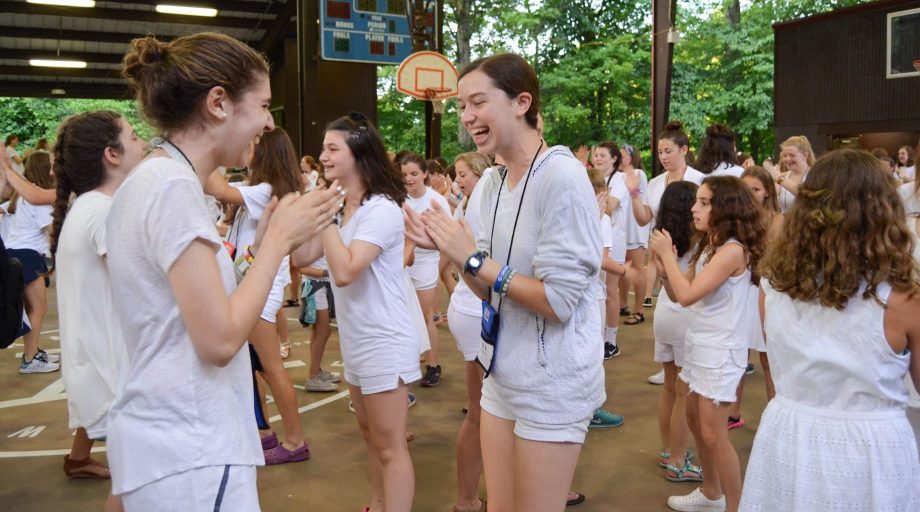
column 101, row 35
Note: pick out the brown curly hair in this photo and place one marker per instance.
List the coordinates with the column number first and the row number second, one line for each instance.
column 846, row 228
column 736, row 215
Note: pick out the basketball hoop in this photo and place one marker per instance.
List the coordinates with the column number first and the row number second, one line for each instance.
column 436, row 96
column 428, row 76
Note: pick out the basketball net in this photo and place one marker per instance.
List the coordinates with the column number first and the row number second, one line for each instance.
column 437, row 104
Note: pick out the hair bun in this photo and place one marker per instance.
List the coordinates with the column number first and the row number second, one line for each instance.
column 674, row 125
column 145, row 51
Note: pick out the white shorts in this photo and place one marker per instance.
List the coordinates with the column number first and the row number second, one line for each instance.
column 532, row 430
column 424, row 275
column 381, row 383
column 669, row 353
column 466, row 331
column 618, row 252
column 322, row 299
column 218, row 488
column 714, row 373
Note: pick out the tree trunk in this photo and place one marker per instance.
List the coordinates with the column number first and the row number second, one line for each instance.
column 464, row 33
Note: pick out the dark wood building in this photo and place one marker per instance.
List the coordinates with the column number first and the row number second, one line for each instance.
column 836, row 84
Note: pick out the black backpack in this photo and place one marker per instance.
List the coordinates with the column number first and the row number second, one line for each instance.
column 11, row 298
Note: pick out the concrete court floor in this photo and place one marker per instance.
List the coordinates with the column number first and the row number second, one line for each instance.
column 617, row 469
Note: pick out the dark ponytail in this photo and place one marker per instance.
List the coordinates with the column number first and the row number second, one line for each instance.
column 78, row 153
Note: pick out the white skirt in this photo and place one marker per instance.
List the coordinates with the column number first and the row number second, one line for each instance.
column 807, row 459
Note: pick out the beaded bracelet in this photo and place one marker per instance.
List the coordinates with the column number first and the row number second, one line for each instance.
column 506, row 283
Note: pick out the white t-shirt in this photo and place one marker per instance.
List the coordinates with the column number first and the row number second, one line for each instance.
column 19, row 168
column 909, row 173
column 242, row 231
column 5, row 222
column 421, row 204
column 727, row 169
column 176, row 412
column 91, row 337
column 659, row 183
column 616, row 187
column 607, row 243
column 27, row 227
column 463, row 299
column 378, row 336
column 636, row 234
column 911, row 199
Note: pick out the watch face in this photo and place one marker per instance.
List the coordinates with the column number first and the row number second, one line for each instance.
column 476, row 262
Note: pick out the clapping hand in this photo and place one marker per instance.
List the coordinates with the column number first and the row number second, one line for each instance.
column 454, row 239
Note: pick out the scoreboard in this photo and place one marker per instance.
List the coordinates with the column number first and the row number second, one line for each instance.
column 371, row 31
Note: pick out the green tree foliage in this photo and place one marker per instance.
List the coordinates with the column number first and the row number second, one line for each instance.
column 723, row 67
column 594, row 62
column 36, row 118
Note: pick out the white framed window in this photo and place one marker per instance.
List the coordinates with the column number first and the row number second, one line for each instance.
column 902, row 44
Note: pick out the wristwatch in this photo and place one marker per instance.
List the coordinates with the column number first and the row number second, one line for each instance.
column 474, row 262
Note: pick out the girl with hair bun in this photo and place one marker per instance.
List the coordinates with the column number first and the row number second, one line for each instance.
column 94, row 153
column 379, row 340
column 839, row 300
column 673, row 145
column 182, row 433
column 716, row 290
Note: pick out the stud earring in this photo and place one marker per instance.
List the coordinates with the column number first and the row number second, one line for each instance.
column 222, row 115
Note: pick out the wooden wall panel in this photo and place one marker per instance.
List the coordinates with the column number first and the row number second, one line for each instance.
column 830, row 76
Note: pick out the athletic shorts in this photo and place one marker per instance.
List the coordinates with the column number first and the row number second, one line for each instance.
column 424, row 275
column 217, row 488
column 33, row 265
column 466, row 331
column 532, row 430
column 713, row 373
column 381, row 383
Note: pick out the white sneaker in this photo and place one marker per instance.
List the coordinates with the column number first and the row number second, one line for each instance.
column 696, row 502
column 36, row 365
column 46, row 357
column 658, row 378
column 331, row 376
column 318, row 383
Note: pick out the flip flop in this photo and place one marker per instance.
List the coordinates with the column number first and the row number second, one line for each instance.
column 579, row 498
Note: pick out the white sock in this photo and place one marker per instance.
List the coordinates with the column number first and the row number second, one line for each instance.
column 610, row 335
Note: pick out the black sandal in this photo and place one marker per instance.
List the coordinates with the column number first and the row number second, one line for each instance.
column 290, row 303
column 635, row 318
column 624, row 312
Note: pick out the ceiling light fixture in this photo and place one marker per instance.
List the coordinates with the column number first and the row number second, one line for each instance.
column 49, row 63
column 58, row 91
column 65, row 3
column 185, row 10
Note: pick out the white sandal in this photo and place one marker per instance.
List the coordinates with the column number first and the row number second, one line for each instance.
column 285, row 349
